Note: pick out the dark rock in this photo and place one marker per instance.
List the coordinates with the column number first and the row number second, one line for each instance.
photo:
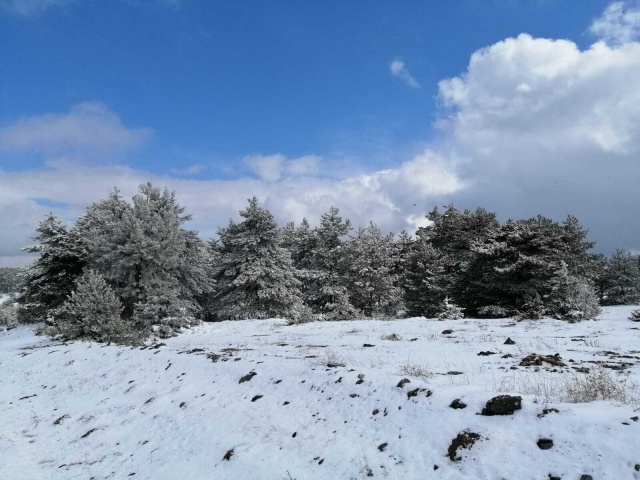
column 382, row 446
column 60, row 420
column 247, row 377
column 545, row 443
column 454, row 372
column 435, row 467
column 486, row 354
column 257, row 397
column 354, row 395
column 553, row 477
column 228, row 455
column 508, row 341
column 457, row 404
column 502, row 405
column 183, row 404
column 89, row 433
column 637, row 467
column 586, row 477
column 447, row 332
column 403, row 382
column 359, row 381
column 294, row 434
column 508, row 355
column 285, row 403
column 536, row 360
column 335, row 365
column 367, row 345
column 376, row 411
column 547, row 411
column 413, row 393
column 464, row 439
column 635, row 419
column 338, row 380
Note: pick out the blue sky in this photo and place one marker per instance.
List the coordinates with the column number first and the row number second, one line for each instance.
column 297, row 101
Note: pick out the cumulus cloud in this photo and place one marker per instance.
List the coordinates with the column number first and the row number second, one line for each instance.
column 87, row 127
column 187, row 171
column 549, row 128
column 399, row 70
column 27, row 8
column 620, row 23
column 271, row 168
column 379, row 196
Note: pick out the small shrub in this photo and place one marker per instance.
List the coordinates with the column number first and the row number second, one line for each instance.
column 450, row 311
column 494, row 311
column 8, row 315
column 93, row 312
column 601, row 385
column 635, row 316
column 300, row 313
column 415, row 370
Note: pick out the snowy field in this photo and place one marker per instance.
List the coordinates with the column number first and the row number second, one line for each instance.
column 193, row 409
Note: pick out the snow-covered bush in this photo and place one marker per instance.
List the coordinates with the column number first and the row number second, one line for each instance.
column 163, row 320
column 8, row 315
column 450, row 311
column 300, row 313
column 635, row 316
column 92, row 312
column 573, row 298
column 493, row 311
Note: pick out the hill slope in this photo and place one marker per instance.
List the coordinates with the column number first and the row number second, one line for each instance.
column 193, row 408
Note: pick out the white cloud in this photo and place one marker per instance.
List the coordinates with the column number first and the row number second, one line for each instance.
column 87, row 127
column 399, row 70
column 272, row 168
column 549, row 128
column 190, row 170
column 619, row 23
column 27, row 8
column 379, row 196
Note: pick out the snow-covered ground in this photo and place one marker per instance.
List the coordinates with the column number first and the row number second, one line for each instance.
column 180, row 410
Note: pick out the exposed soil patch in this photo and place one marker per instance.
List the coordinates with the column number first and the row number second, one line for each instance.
column 465, row 440
column 536, row 360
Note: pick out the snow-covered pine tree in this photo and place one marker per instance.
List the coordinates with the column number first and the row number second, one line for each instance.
column 619, row 280
column 425, row 284
column 92, row 312
column 572, row 298
column 327, row 293
column 155, row 267
column 517, row 267
column 301, row 243
column 254, row 274
column 50, row 278
column 401, row 253
column 372, row 282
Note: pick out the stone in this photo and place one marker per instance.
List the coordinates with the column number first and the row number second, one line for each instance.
column 502, row 405
column 545, row 443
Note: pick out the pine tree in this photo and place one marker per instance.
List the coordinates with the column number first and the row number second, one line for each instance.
column 426, row 284
column 50, row 278
column 572, row 298
column 254, row 274
column 371, row 278
column 619, row 282
column 159, row 271
column 92, row 312
column 327, row 293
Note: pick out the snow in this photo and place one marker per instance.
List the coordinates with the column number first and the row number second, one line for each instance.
column 118, row 409
column 4, row 297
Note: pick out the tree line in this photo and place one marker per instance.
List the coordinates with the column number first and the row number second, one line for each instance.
column 126, row 269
